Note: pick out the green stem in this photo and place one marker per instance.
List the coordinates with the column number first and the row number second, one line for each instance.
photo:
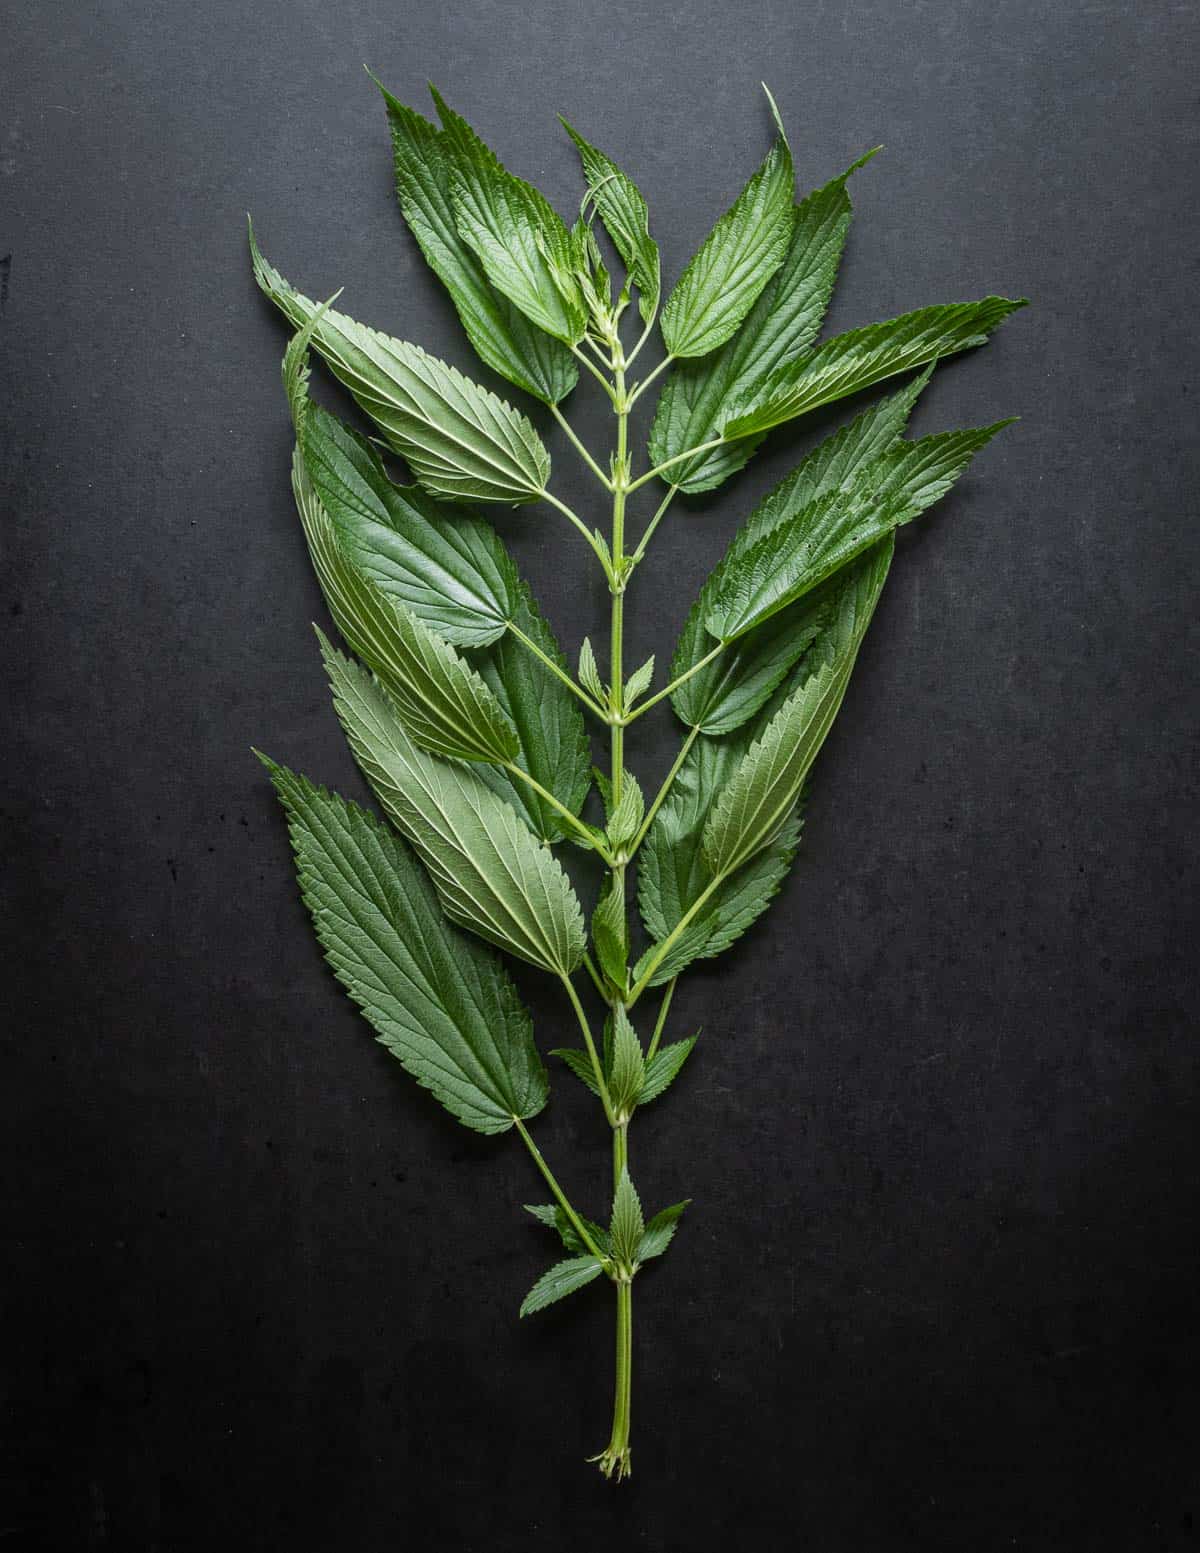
column 660, row 513
column 593, row 369
column 675, row 683
column 660, row 951
column 661, row 1021
column 583, row 529
column 560, row 1195
column 693, row 733
column 597, row 1069
column 576, row 690
column 573, row 820
column 703, row 447
column 580, row 449
column 646, row 381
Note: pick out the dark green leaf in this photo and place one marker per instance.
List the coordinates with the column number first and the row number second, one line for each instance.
column 437, row 1000
column 500, row 333
column 851, row 362
column 553, row 1217
column 580, row 1065
column 491, row 874
column 832, row 529
column 626, row 220
column 697, row 395
column 627, row 1226
column 628, row 1069
column 520, row 240
column 663, row 1068
column 610, row 932
column 735, row 261
column 661, row 1231
column 561, row 1280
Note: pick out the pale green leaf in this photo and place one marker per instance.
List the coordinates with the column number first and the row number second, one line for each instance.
column 562, row 1279
column 589, row 673
column 833, row 528
column 518, row 237
column 851, row 362
column 459, row 439
column 697, row 395
column 490, row 872
column 502, row 336
column 626, row 817
column 437, row 1000
column 660, row 1231
column 735, row 261
column 663, row 1068
column 626, row 220
column 638, row 682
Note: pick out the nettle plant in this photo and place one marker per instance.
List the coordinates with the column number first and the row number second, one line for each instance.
column 458, row 702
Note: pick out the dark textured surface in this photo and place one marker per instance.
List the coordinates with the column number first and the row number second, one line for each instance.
column 937, row 1290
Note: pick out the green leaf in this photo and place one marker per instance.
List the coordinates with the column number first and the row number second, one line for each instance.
column 610, row 931
column 627, row 1225
column 759, row 798
column 835, row 527
column 735, row 261
column 490, row 873
column 460, row 440
column 626, row 220
column 626, row 817
column 638, row 682
column 674, row 873
column 851, row 362
column 698, row 395
column 503, row 338
column 519, row 239
column 725, row 693
column 447, row 567
column 627, row 1071
column 438, row 1001
column 663, row 1068
column 660, row 1231
column 562, row 1279
column 553, row 1217
column 589, row 674
column 554, row 746
column 580, row 1065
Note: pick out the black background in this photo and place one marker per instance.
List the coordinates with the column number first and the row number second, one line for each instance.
column 938, row 1285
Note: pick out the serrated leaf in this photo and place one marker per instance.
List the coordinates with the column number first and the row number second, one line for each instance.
column 447, row 567
column 626, row 220
column 661, row 1231
column 759, row 798
column 518, row 237
column 490, row 873
column 627, row 1225
column 439, row 1002
column 460, row 440
column 562, row 1279
column 638, row 682
column 502, row 336
column 725, row 693
column 589, row 673
column 835, row 527
column 735, row 261
column 674, row 873
column 697, row 395
column 627, row 1071
column 851, row 362
column 610, row 931
column 553, row 1217
column 626, row 817
column 580, row 1065
column 663, row 1068
column 554, row 747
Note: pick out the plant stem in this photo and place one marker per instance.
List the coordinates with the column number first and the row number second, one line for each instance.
column 576, row 690
column 675, row 683
column 703, row 447
column 597, row 1069
column 661, row 1021
column 583, row 529
column 660, row 513
column 560, row 1195
column 649, row 378
column 573, row 820
column 693, row 733
column 579, row 447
